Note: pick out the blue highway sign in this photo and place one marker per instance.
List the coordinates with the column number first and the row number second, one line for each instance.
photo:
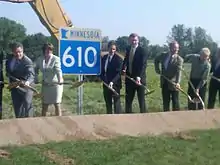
column 80, row 51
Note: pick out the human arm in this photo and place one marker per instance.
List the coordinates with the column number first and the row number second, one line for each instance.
column 179, row 70
column 190, row 57
column 213, row 64
column 118, row 70
column 36, row 69
column 204, row 77
column 143, row 64
column 101, row 76
column 57, row 69
column 125, row 62
column 28, row 71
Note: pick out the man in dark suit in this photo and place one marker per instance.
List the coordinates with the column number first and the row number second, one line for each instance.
column 2, row 55
column 111, row 75
column 19, row 66
column 171, row 64
column 214, row 85
column 134, row 66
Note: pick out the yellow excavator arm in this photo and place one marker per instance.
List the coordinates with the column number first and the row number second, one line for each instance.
column 51, row 15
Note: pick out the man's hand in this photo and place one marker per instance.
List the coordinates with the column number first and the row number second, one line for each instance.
column 138, row 80
column 123, row 72
column 111, row 85
column 26, row 83
column 177, row 85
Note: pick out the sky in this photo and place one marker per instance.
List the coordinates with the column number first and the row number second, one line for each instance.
column 150, row 18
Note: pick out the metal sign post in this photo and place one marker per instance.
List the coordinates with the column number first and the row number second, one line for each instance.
column 80, row 54
column 80, row 96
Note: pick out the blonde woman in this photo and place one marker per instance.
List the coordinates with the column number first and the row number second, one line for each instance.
column 200, row 70
column 52, row 87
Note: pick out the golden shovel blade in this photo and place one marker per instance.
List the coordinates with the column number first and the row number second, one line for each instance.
column 149, row 92
column 77, row 84
column 38, row 95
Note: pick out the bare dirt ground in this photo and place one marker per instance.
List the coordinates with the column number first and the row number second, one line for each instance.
column 91, row 127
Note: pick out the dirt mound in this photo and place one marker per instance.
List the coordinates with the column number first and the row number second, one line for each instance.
column 42, row 130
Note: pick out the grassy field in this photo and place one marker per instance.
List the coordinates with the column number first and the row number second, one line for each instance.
column 93, row 101
column 197, row 148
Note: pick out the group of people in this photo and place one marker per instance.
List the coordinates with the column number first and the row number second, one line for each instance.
column 169, row 65
column 22, row 73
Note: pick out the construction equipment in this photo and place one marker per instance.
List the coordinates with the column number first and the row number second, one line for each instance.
column 51, row 15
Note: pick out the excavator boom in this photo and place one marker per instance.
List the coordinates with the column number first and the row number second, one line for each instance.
column 17, row 1
column 50, row 14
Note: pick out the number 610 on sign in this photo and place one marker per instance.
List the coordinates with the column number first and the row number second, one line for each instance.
column 80, row 57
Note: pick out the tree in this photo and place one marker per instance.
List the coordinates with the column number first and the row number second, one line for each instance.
column 144, row 42
column 33, row 45
column 202, row 39
column 105, row 41
column 155, row 50
column 191, row 40
column 122, row 43
column 183, row 36
column 10, row 31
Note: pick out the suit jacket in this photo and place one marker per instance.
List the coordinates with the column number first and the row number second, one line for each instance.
column 214, row 70
column 24, row 71
column 139, row 64
column 52, row 73
column 113, row 73
column 172, row 72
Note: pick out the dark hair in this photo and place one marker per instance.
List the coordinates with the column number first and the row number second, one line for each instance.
column 16, row 45
column 173, row 43
column 133, row 35
column 48, row 46
column 111, row 43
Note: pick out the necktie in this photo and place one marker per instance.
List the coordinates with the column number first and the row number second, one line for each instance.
column 108, row 61
column 167, row 61
column 131, row 56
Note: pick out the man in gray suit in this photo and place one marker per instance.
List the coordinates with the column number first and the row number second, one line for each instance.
column 171, row 64
column 20, row 67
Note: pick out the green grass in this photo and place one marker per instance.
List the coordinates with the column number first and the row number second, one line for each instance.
column 202, row 149
column 160, row 150
column 93, row 101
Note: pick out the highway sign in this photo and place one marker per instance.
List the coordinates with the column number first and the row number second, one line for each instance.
column 80, row 51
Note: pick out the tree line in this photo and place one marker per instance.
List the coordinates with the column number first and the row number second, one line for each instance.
column 191, row 40
column 11, row 31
